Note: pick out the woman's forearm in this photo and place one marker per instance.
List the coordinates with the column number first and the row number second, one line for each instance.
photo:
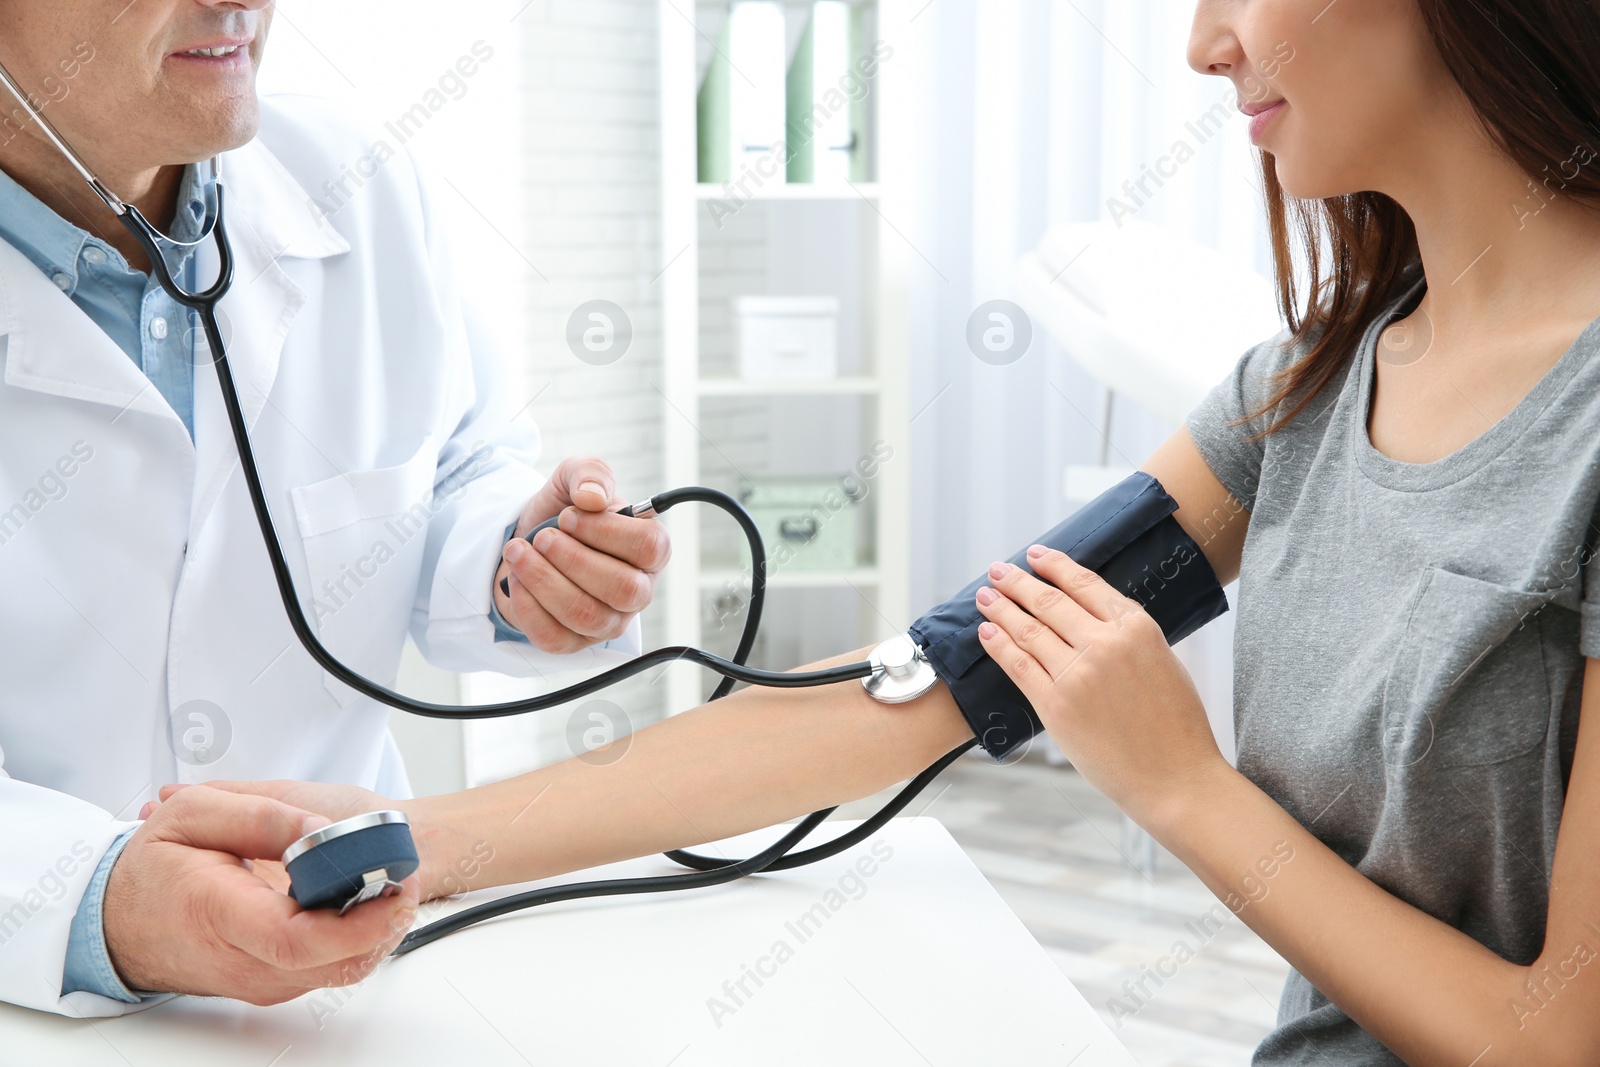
column 1429, row 992
column 753, row 759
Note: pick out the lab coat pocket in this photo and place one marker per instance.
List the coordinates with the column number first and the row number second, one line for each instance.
column 364, row 534
column 1468, row 685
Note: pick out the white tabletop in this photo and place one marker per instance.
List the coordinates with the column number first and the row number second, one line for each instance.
column 917, row 963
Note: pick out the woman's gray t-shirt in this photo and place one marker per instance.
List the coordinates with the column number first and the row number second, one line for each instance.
column 1410, row 645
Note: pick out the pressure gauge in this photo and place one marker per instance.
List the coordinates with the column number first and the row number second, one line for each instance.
column 352, row 861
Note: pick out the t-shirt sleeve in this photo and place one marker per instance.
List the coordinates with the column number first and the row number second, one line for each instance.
column 1226, row 447
column 1589, row 627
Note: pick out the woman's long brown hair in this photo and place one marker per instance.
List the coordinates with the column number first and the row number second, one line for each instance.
column 1531, row 71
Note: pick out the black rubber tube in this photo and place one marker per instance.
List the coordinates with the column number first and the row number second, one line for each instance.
column 708, row 871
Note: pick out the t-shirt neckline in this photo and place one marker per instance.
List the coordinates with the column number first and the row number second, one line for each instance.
column 1397, row 474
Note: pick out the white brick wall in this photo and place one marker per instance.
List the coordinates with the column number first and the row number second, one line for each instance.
column 591, row 194
column 552, row 200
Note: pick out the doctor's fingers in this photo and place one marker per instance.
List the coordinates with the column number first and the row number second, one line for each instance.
column 246, row 825
column 330, row 800
column 311, row 945
column 542, row 593
column 642, row 542
column 588, row 479
column 258, row 983
column 538, row 625
column 617, row 582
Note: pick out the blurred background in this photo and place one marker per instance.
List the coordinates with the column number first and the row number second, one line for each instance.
column 913, row 279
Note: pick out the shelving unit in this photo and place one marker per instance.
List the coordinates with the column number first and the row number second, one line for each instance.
column 879, row 388
column 715, row 578
column 857, row 191
column 845, row 386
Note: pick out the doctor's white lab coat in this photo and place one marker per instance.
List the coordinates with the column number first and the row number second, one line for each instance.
column 142, row 640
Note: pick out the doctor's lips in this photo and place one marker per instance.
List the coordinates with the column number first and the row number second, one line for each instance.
column 218, row 50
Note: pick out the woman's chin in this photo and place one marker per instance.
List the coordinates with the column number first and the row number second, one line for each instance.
column 1313, row 185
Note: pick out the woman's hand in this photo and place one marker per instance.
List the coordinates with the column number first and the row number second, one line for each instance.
column 1099, row 673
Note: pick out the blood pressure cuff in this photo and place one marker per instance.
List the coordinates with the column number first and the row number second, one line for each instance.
column 1128, row 536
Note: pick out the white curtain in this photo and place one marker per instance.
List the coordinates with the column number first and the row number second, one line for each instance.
column 1037, row 112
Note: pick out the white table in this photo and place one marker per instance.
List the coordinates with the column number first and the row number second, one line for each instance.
column 919, row 963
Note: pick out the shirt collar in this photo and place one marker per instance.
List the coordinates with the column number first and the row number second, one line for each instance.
column 56, row 246
column 49, row 241
column 188, row 223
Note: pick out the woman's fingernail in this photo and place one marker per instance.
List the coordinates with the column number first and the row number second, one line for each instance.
column 515, row 550
column 988, row 630
column 987, row 596
column 1036, row 551
column 312, row 824
column 998, row 571
column 543, row 540
column 593, row 487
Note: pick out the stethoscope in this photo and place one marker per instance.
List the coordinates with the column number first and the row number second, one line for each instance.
column 360, row 858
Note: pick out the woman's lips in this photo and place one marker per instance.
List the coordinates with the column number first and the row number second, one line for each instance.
column 1261, row 116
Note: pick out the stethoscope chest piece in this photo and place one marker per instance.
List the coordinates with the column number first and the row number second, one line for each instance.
column 352, row 861
column 901, row 671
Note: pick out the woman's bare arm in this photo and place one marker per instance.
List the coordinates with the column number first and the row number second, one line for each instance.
column 750, row 760
column 1206, row 511
column 754, row 759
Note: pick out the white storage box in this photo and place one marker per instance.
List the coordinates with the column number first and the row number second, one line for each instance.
column 787, row 338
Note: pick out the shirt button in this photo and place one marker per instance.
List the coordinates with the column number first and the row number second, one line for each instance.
column 63, row 281
column 158, row 328
column 94, row 256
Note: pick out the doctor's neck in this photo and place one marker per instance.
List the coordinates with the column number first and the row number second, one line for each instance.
column 33, row 163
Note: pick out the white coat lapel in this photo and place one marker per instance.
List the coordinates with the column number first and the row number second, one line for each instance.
column 268, row 222
column 53, row 347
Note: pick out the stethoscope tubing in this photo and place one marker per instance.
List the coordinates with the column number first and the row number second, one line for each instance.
column 706, row 871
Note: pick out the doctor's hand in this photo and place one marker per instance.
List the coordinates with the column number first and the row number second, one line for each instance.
column 450, row 856
column 184, row 912
column 583, row 583
column 1098, row 672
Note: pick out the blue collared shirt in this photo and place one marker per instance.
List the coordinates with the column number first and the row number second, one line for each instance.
column 158, row 334
column 155, row 331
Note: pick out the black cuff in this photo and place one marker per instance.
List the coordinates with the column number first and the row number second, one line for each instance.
column 1128, row 536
